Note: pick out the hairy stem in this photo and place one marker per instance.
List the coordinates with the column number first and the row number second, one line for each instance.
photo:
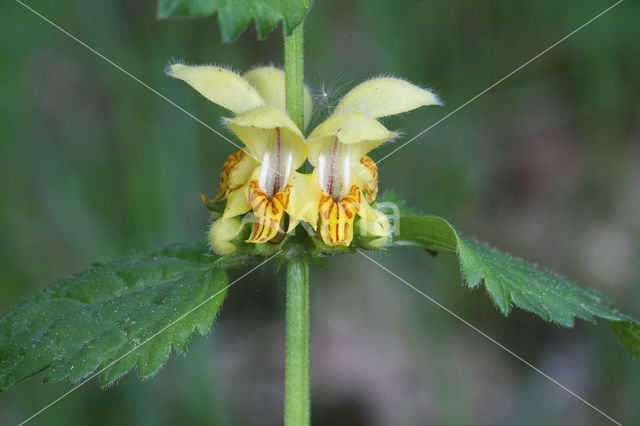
column 294, row 75
column 296, row 394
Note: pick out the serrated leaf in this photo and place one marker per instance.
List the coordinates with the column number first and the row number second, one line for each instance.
column 511, row 281
column 235, row 15
column 113, row 317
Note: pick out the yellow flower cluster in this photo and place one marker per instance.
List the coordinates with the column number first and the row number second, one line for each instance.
column 262, row 176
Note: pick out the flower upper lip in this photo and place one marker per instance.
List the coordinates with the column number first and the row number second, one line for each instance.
column 257, row 101
column 255, row 127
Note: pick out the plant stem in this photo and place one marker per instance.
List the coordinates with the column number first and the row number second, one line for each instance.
column 296, row 394
column 294, row 75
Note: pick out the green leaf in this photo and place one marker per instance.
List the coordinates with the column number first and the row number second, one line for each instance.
column 235, row 15
column 113, row 317
column 511, row 281
column 628, row 332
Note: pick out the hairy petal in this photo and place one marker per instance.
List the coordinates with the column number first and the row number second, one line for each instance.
column 256, row 129
column 220, row 86
column 221, row 233
column 269, row 81
column 380, row 97
column 355, row 129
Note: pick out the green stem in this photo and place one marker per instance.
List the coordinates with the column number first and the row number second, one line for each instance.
column 296, row 394
column 294, row 75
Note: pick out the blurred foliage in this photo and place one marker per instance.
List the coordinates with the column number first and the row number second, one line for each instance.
column 93, row 165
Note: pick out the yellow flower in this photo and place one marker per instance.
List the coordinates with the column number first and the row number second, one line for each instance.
column 338, row 150
column 262, row 176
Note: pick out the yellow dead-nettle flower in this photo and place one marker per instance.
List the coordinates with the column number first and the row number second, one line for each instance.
column 262, row 176
column 338, row 150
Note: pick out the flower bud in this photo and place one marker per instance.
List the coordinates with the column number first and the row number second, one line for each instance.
column 222, row 233
column 378, row 227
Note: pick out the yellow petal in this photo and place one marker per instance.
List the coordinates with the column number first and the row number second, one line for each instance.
column 269, row 81
column 380, row 97
column 220, row 86
column 376, row 224
column 368, row 213
column 267, row 213
column 337, row 217
column 237, row 203
column 221, row 233
column 364, row 173
column 236, row 171
column 305, row 198
column 362, row 133
column 256, row 129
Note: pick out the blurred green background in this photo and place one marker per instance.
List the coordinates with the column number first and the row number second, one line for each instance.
column 545, row 166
